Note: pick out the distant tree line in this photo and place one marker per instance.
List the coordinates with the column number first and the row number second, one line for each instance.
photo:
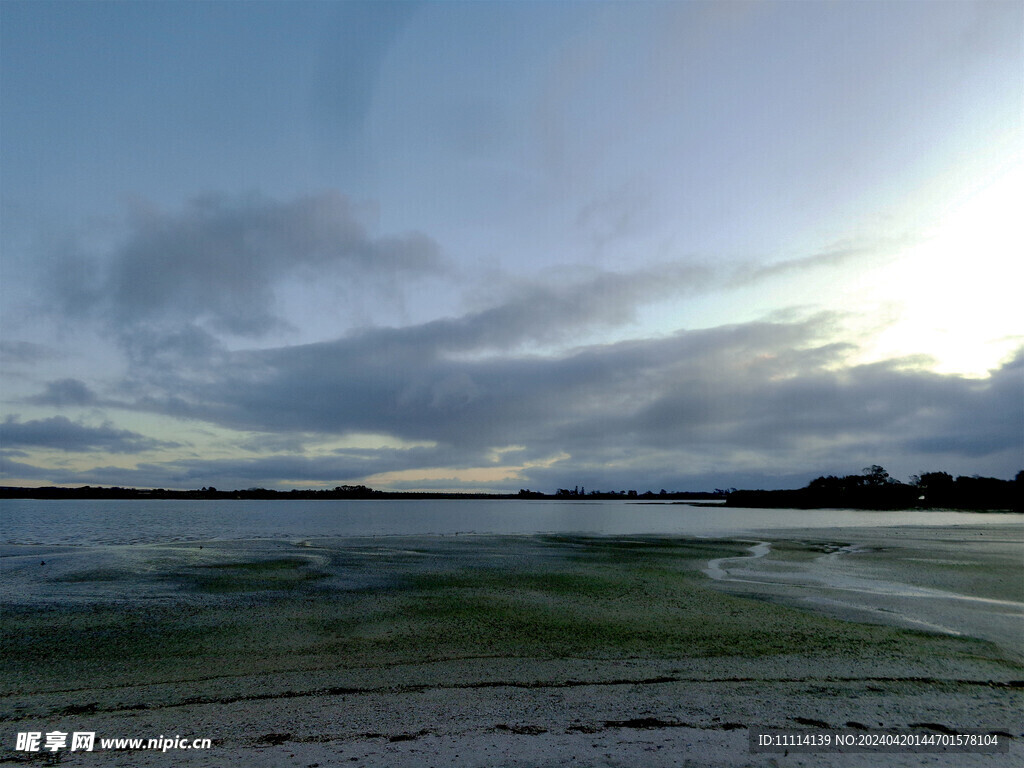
column 206, row 492
column 338, row 492
column 211, row 493
column 875, row 489
column 579, row 492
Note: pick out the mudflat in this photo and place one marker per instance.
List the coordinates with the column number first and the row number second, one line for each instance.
column 524, row 650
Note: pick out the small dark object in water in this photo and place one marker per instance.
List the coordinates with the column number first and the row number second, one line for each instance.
column 43, row 562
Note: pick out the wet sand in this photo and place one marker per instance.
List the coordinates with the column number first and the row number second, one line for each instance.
column 965, row 581
column 534, row 650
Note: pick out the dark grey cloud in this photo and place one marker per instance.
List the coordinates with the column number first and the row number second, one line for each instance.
column 220, row 260
column 752, row 400
column 185, row 358
column 975, row 418
column 65, row 392
column 60, row 433
column 159, row 351
column 22, row 470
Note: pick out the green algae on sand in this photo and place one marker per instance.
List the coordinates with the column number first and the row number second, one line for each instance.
column 539, row 597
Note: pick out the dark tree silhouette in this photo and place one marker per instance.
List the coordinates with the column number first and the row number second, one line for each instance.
column 875, row 475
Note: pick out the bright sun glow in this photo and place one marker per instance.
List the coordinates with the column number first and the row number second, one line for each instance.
column 957, row 292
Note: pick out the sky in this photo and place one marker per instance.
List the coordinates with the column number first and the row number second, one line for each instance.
column 487, row 246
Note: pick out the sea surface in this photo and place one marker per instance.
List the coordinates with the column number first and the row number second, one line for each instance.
column 119, row 522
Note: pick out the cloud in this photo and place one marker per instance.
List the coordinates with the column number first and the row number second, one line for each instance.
column 275, row 470
column 186, row 357
column 23, row 352
column 616, row 214
column 971, row 417
column 839, row 255
column 65, row 392
column 21, row 470
column 219, row 261
column 717, row 406
column 60, row 433
column 752, row 400
column 560, row 307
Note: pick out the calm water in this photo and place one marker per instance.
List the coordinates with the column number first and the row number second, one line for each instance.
column 154, row 521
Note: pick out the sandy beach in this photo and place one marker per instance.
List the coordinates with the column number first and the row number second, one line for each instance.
column 517, row 650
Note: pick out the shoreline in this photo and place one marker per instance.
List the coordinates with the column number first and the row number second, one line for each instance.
column 496, row 650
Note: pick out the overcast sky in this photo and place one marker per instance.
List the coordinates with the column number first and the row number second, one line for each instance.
column 503, row 245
